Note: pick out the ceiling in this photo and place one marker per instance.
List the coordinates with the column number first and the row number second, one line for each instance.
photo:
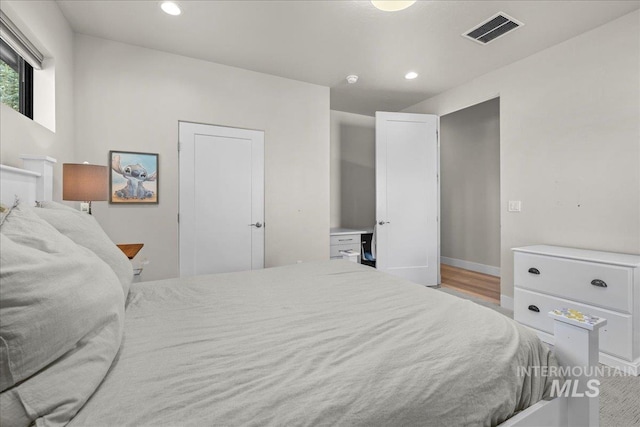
column 323, row 41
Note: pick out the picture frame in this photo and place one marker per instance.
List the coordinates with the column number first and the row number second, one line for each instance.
column 133, row 177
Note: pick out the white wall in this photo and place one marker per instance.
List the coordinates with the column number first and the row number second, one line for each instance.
column 48, row 30
column 353, row 192
column 470, row 184
column 570, row 141
column 129, row 98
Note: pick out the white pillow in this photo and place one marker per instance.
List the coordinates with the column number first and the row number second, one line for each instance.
column 83, row 229
column 62, row 311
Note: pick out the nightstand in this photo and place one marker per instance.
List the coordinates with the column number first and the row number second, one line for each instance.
column 131, row 250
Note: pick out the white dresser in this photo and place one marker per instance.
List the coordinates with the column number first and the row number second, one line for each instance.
column 603, row 284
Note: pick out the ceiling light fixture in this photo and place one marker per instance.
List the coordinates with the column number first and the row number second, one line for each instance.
column 411, row 75
column 392, row 5
column 171, row 8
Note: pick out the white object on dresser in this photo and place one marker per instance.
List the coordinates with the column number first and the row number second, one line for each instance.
column 350, row 255
column 602, row 284
column 344, row 239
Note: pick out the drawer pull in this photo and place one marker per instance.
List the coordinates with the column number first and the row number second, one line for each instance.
column 599, row 283
column 534, row 271
column 534, row 308
column 344, row 240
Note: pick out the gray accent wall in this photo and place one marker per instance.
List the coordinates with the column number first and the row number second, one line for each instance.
column 353, row 174
column 470, row 184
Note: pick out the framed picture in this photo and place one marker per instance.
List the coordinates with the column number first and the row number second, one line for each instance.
column 133, row 177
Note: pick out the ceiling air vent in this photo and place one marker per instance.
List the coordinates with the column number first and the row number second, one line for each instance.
column 494, row 27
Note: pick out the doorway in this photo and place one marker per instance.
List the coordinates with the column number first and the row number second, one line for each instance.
column 221, row 200
column 470, row 200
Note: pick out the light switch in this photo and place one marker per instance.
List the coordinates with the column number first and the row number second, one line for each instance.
column 515, row 205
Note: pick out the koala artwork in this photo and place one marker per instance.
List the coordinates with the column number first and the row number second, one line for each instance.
column 135, row 175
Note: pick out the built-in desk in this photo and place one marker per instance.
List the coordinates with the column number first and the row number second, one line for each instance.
column 346, row 239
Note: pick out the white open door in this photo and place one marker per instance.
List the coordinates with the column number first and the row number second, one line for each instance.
column 407, row 196
column 221, row 211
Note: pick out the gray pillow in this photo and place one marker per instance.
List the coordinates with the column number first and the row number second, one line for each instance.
column 85, row 231
column 62, row 311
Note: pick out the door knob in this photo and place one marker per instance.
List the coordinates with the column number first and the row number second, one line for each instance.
column 383, row 222
column 256, row 225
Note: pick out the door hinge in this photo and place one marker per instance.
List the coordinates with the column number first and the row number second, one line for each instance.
column 179, row 146
column 178, row 217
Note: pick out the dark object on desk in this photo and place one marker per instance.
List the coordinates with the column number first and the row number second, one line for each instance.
column 131, row 249
column 366, row 250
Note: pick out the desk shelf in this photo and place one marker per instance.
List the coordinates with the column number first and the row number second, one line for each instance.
column 342, row 239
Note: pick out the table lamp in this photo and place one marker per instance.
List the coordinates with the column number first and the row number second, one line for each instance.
column 85, row 183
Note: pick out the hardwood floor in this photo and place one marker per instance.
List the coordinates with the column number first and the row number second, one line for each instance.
column 477, row 284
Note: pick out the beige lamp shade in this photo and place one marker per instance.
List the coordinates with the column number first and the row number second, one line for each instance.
column 85, row 182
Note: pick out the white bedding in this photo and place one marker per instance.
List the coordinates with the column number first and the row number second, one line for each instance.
column 327, row 343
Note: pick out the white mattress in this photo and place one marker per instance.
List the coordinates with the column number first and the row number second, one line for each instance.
column 327, row 343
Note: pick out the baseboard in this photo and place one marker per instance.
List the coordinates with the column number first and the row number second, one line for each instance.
column 506, row 302
column 473, row 266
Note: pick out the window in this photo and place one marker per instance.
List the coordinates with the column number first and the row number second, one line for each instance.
column 16, row 81
column 18, row 58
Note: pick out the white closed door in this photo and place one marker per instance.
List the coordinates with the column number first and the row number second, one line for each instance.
column 221, row 213
column 407, row 196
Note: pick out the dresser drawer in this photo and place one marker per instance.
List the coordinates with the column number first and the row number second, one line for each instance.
column 576, row 280
column 345, row 239
column 615, row 337
column 334, row 251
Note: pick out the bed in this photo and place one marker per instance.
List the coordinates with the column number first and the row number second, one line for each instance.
column 321, row 343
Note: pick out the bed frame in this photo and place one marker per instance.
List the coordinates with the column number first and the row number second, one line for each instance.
column 576, row 342
column 32, row 183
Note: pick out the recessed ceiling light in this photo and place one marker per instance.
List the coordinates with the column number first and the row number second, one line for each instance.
column 171, row 8
column 411, row 75
column 392, row 5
